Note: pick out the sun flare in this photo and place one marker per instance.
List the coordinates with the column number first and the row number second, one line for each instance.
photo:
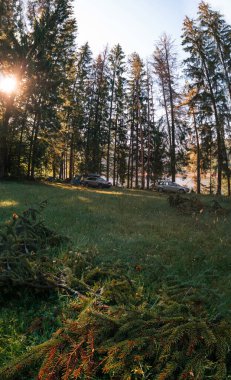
column 8, row 83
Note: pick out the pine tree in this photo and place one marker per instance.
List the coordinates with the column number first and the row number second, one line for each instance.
column 12, row 49
column 116, row 95
column 98, row 115
column 53, row 36
column 135, row 98
column 165, row 69
column 204, row 70
column 216, row 27
column 82, row 92
column 219, row 32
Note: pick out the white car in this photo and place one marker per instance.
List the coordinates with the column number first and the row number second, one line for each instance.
column 171, row 187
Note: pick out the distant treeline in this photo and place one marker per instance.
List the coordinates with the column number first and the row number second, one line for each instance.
column 130, row 120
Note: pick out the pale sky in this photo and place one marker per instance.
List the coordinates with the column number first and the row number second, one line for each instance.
column 135, row 24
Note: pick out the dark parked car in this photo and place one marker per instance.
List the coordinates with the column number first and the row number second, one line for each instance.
column 171, row 187
column 54, row 179
column 96, row 181
column 77, row 180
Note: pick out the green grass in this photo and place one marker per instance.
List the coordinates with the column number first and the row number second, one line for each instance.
column 129, row 228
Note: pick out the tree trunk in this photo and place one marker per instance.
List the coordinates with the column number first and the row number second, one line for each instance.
column 218, row 130
column 35, row 145
column 109, row 125
column 71, row 162
column 228, row 184
column 168, row 123
column 198, row 154
column 130, row 156
column 137, row 150
column 141, row 150
column 173, row 147
column 115, row 154
column 4, row 127
column 149, row 136
column 20, row 145
column 31, row 147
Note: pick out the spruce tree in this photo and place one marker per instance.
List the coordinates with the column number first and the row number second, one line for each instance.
column 97, row 125
column 12, row 49
column 135, row 99
column 203, row 68
column 165, row 69
column 52, row 39
column 116, row 94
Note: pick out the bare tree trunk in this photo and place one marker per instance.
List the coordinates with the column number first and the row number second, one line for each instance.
column 141, row 150
column 115, row 153
column 31, row 147
column 149, row 134
column 228, row 185
column 226, row 165
column 4, row 126
column 54, row 169
column 66, row 163
column 173, row 147
column 131, row 156
column 198, row 154
column 168, row 123
column 109, row 124
column 137, row 119
column 71, row 162
column 20, row 144
column 61, row 170
column 218, row 129
column 137, row 152
column 35, row 145
column 87, row 150
column 210, row 168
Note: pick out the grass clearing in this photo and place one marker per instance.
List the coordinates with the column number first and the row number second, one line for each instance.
column 134, row 229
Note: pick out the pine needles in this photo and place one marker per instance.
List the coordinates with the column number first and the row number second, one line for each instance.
column 189, row 205
column 26, row 252
column 112, row 329
column 133, row 341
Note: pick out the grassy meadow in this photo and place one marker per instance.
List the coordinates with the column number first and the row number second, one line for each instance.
column 134, row 229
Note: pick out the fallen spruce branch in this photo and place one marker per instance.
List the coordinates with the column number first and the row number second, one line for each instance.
column 124, row 342
column 26, row 259
column 194, row 205
column 26, row 246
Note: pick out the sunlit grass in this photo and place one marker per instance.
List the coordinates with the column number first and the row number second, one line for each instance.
column 84, row 199
column 108, row 192
column 8, row 203
column 137, row 225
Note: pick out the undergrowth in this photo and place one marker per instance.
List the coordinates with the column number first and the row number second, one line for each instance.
column 105, row 339
column 112, row 327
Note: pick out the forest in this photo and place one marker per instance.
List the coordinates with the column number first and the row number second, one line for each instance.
column 121, row 283
column 132, row 120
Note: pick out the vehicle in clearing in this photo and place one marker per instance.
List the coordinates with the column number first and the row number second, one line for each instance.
column 77, row 180
column 96, row 181
column 171, row 187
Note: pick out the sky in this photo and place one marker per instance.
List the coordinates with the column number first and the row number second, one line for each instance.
column 136, row 24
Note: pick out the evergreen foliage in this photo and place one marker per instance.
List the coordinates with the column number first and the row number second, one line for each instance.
column 26, row 253
column 205, row 39
column 129, row 121
column 128, row 339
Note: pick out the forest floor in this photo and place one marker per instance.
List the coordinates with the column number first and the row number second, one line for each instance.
column 134, row 229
